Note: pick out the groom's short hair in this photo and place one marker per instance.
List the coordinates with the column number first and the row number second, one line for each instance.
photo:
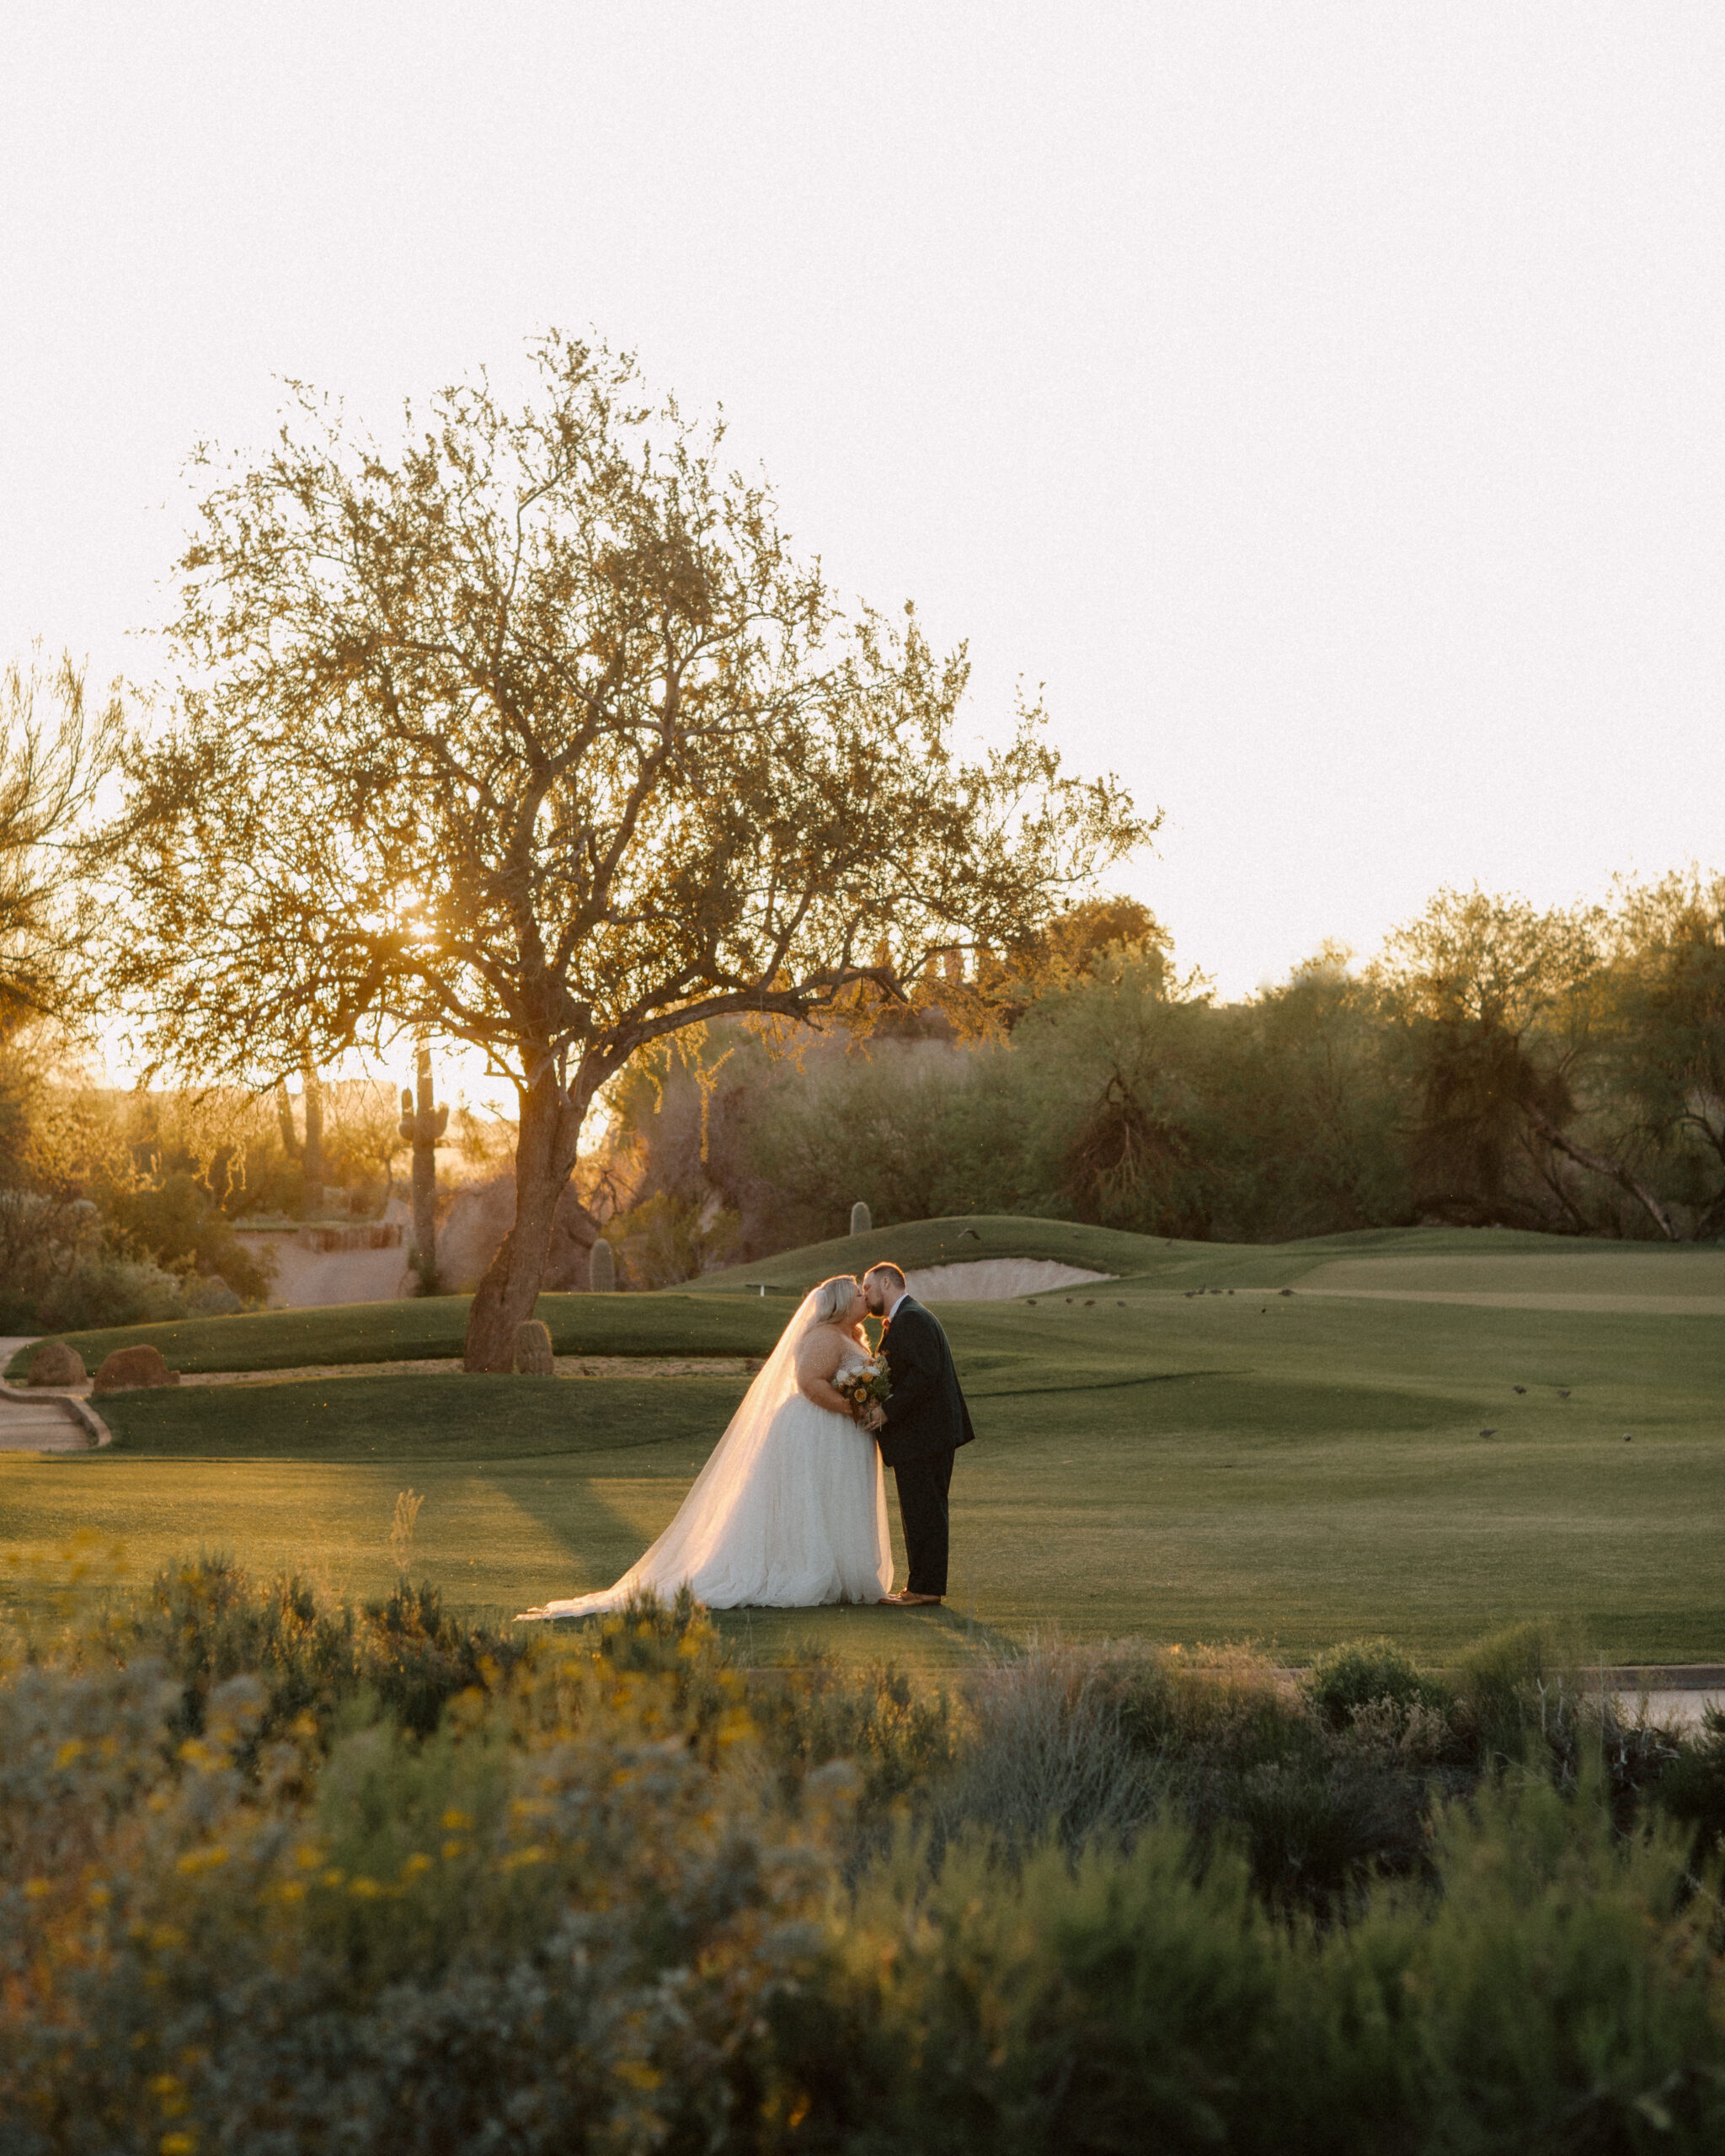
column 892, row 1273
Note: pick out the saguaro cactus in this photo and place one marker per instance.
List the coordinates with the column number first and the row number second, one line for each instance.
column 308, row 1152
column 601, row 1272
column 422, row 1125
column 533, row 1356
column 861, row 1220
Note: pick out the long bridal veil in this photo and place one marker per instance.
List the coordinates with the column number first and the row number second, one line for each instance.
column 690, row 1540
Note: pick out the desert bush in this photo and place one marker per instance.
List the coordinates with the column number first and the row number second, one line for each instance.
column 273, row 1879
column 664, row 1240
column 900, row 1734
column 1518, row 1697
column 40, row 1237
column 1555, row 1996
column 1506, row 1681
column 1361, row 1673
column 100, row 1287
column 206, row 1622
column 1062, row 1743
column 552, row 1925
column 1079, row 1745
column 919, row 1127
column 64, row 1267
column 175, row 1221
column 1691, row 1790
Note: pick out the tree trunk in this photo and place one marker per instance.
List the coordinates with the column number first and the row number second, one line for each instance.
column 284, row 1116
column 312, row 1204
column 547, row 1136
column 1601, row 1164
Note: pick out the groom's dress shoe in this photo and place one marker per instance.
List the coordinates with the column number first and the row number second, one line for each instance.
column 905, row 1600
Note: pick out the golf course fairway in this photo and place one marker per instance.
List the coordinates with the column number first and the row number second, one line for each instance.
column 1185, row 1453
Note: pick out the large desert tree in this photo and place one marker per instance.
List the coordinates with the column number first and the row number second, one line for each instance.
column 536, row 734
column 1667, row 1026
column 56, row 748
column 1498, row 1003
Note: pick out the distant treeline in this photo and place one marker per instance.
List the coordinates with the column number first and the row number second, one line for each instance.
column 1493, row 1066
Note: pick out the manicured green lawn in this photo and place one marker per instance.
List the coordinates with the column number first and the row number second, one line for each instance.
column 385, row 1332
column 725, row 1313
column 1295, row 1469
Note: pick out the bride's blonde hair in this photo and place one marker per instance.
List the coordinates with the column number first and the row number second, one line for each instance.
column 832, row 1297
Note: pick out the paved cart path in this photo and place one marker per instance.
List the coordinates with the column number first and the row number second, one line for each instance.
column 46, row 1420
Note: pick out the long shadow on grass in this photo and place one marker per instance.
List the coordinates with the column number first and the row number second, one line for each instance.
column 507, row 1430
column 1116, row 1384
column 484, row 1421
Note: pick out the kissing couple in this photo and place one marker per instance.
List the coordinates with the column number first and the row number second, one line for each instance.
column 790, row 1511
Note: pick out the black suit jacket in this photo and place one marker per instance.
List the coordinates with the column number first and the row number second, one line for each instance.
column 925, row 1415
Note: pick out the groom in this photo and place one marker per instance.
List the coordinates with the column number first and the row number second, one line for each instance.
column 918, row 1428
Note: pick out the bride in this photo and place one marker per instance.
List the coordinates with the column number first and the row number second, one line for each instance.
column 791, row 1508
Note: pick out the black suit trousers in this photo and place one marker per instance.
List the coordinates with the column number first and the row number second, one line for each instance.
column 924, row 1486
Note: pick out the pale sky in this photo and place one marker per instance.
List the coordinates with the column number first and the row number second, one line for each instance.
column 1322, row 400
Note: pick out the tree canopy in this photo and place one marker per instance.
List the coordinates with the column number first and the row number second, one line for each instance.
column 56, row 750
column 537, row 735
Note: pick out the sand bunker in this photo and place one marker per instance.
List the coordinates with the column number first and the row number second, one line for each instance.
column 995, row 1279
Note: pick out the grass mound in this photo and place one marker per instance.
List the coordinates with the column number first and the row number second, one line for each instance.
column 1437, row 1258
column 433, row 1326
column 712, row 1315
column 956, row 1241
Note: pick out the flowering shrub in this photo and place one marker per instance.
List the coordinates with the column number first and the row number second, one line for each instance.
column 399, row 1887
column 559, row 1918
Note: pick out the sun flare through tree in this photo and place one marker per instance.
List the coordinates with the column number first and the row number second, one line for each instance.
column 536, row 734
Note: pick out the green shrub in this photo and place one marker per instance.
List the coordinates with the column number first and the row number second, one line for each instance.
column 1063, row 1742
column 1554, row 1998
column 101, row 1289
column 1095, row 1744
column 1692, row 1788
column 551, row 1926
column 176, row 1223
column 207, row 1622
column 1505, row 1681
column 1118, row 2005
column 899, row 1735
column 284, row 1879
column 1362, row 1673
column 664, row 1241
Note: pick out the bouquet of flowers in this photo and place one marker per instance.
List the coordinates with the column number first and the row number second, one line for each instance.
column 870, row 1386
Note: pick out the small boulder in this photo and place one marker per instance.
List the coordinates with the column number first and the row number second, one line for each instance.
column 55, row 1363
column 128, row 1367
column 533, row 1350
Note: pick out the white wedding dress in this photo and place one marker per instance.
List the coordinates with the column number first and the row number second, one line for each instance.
column 790, row 1510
